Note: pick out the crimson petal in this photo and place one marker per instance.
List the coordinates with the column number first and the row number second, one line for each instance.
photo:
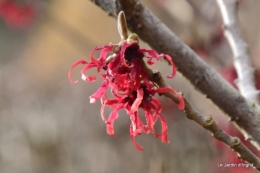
column 100, row 92
column 164, row 129
column 88, row 78
column 72, row 67
column 181, row 100
column 138, row 100
column 133, row 139
column 112, row 117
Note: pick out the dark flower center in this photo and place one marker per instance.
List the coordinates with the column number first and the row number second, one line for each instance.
column 132, row 52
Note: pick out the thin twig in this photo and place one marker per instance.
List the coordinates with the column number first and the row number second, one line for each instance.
column 206, row 121
column 150, row 29
column 246, row 73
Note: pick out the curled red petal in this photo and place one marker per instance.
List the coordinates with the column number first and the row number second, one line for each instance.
column 100, row 92
column 103, row 54
column 152, row 53
column 91, row 55
column 137, row 124
column 102, row 109
column 133, row 139
column 120, row 79
column 112, row 117
column 149, row 120
column 157, row 104
column 134, row 77
column 114, row 93
column 138, row 100
column 114, row 64
column 167, row 89
column 72, row 67
column 181, row 101
column 95, row 61
column 111, row 104
column 107, row 103
column 152, row 56
column 172, row 64
column 164, row 134
column 150, row 60
column 88, row 78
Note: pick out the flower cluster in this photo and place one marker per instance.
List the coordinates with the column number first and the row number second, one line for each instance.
column 16, row 15
column 130, row 86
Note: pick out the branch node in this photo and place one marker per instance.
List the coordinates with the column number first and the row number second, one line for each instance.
column 249, row 138
column 235, row 142
column 116, row 49
column 236, row 118
column 208, row 121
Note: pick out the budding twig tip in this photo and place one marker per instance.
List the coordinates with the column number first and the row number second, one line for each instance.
column 122, row 26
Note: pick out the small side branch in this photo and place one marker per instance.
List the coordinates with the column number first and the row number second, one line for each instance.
column 207, row 122
column 242, row 62
column 233, row 142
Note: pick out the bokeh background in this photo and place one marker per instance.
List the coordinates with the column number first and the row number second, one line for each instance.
column 47, row 124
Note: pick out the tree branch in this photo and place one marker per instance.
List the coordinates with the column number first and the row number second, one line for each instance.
column 207, row 122
column 204, row 78
column 246, row 76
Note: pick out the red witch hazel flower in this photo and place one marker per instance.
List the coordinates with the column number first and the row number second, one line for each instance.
column 130, row 84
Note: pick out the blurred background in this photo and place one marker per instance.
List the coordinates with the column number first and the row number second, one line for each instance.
column 47, row 124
